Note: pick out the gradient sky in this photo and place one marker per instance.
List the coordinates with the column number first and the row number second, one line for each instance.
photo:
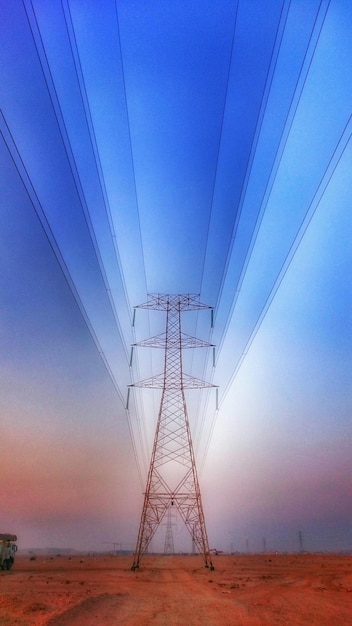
column 176, row 147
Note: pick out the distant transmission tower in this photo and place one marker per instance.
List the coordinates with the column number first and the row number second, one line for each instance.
column 300, row 541
column 172, row 477
column 169, row 538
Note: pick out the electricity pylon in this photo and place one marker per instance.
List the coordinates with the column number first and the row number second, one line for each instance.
column 172, row 477
column 169, row 538
column 300, row 541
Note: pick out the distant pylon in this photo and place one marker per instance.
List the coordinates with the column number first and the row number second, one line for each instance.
column 300, row 541
column 172, row 477
column 169, row 537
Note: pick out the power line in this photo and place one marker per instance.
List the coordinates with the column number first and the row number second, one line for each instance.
column 261, row 114
column 295, row 99
column 92, row 137
column 206, row 359
column 130, row 141
column 311, row 210
column 50, row 85
column 90, row 125
column 135, row 194
column 260, row 117
column 44, row 223
column 216, row 168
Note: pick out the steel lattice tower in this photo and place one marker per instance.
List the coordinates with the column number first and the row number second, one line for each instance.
column 172, row 477
column 169, row 538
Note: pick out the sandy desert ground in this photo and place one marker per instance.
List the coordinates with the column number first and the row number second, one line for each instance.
column 251, row 590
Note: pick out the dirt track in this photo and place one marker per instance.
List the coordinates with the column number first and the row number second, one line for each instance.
column 262, row 590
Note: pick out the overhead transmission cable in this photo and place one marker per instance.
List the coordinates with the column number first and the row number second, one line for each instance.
column 307, row 218
column 32, row 21
column 260, row 117
column 206, row 360
column 329, row 171
column 95, row 150
column 60, row 120
column 211, row 205
column 44, row 223
column 92, row 137
column 150, row 355
column 130, row 144
column 280, row 29
column 85, row 101
column 295, row 99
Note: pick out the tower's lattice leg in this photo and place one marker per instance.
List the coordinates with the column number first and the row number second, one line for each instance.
column 172, row 477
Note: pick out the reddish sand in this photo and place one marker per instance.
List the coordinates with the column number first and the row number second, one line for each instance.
column 255, row 590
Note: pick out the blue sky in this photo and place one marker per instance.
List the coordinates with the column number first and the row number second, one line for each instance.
column 176, row 148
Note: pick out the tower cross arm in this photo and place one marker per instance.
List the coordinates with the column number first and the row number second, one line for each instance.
column 181, row 302
column 186, row 382
column 191, row 382
column 161, row 341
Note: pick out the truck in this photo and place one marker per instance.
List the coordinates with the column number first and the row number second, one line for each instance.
column 8, row 550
